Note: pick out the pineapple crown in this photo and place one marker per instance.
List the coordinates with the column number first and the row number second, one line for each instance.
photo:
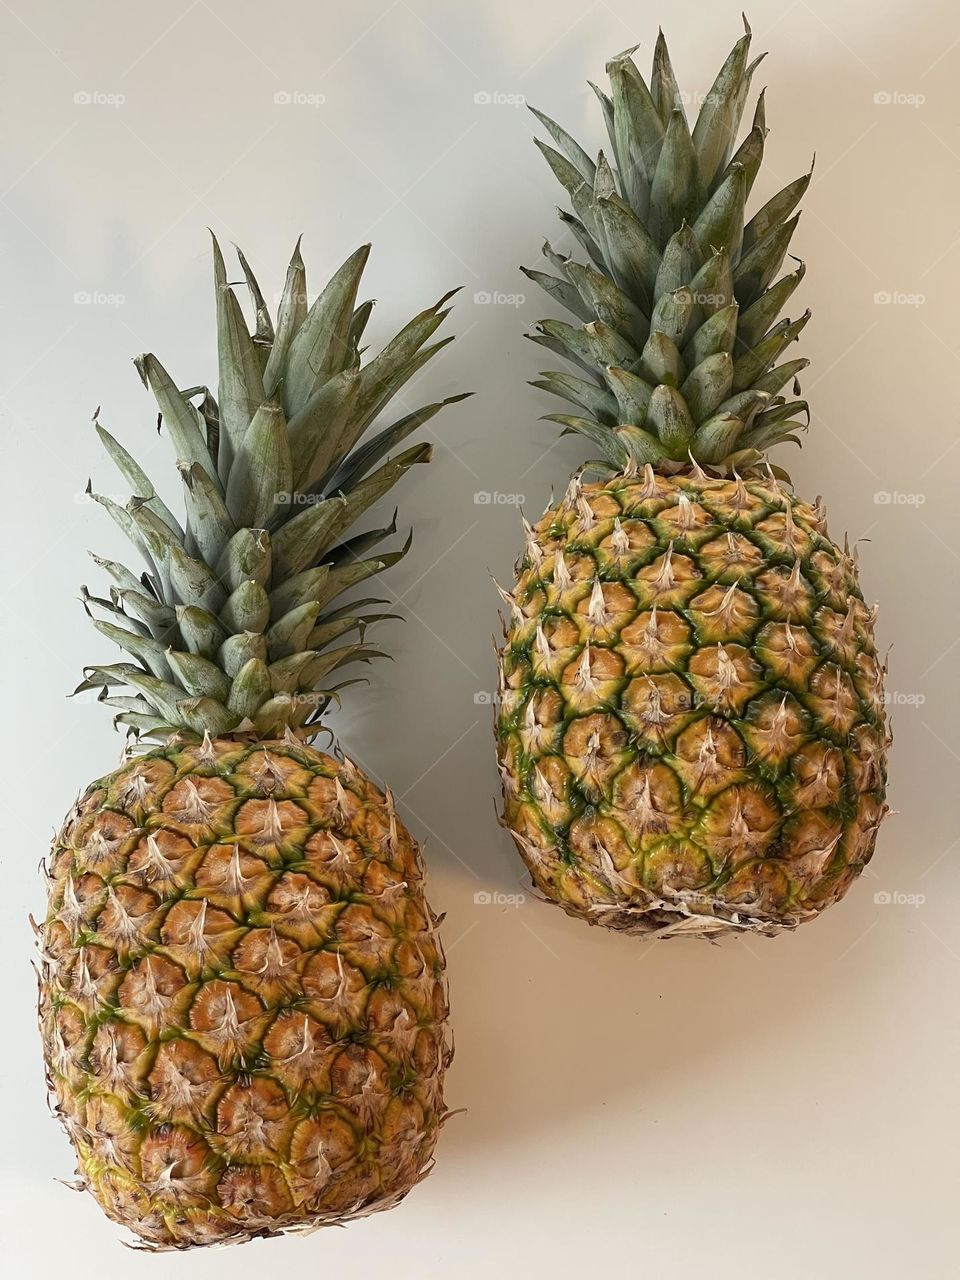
column 677, row 308
column 233, row 628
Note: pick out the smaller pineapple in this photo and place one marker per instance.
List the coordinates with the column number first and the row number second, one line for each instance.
column 242, row 993
column 691, row 730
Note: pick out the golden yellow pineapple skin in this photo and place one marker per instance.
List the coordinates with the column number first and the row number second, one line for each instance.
column 691, row 729
column 242, row 993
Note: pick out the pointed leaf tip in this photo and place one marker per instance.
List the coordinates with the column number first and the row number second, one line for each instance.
column 446, row 298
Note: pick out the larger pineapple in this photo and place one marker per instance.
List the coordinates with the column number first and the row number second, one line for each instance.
column 241, row 991
column 691, row 725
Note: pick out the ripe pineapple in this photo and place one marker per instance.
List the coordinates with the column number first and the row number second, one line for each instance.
column 691, row 727
column 242, row 992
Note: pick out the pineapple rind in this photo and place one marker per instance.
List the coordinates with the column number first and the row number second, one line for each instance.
column 242, row 993
column 691, row 728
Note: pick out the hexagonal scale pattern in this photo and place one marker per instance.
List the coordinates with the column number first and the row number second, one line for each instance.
column 691, row 727
column 242, row 993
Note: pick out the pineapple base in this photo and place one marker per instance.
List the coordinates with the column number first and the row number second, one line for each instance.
column 691, row 729
column 694, row 916
column 242, row 995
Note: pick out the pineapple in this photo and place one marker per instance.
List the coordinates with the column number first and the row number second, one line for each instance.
column 242, row 994
column 691, row 728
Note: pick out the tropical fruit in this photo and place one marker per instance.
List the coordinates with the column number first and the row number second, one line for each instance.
column 242, row 994
column 691, row 726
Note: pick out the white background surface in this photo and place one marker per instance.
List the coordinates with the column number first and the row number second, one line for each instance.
column 785, row 1108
